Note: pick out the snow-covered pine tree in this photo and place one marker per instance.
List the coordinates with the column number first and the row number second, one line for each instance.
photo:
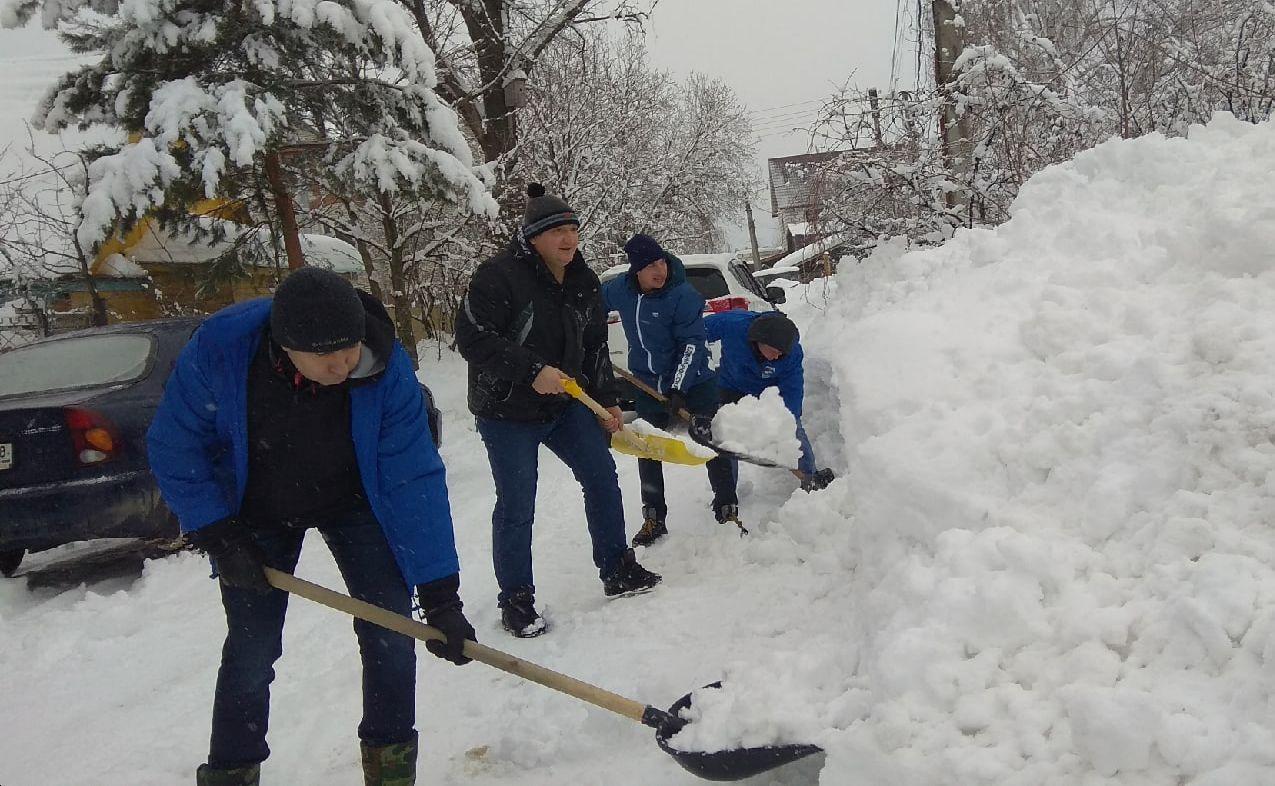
column 207, row 90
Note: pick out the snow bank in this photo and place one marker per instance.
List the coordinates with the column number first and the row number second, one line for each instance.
column 1063, row 471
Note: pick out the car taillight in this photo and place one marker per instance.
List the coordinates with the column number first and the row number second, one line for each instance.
column 719, row 304
column 92, row 436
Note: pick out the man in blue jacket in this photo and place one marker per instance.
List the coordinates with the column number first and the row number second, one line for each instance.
column 663, row 319
column 296, row 413
column 759, row 351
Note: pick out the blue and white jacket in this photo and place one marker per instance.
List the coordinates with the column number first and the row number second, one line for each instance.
column 198, row 443
column 665, row 329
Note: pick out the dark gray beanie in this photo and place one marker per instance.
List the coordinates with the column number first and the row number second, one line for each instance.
column 316, row 310
column 775, row 330
column 545, row 211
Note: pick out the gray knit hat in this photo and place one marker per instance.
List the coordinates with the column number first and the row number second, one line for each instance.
column 316, row 310
column 545, row 211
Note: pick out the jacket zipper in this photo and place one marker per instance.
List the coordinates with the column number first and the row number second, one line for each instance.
column 650, row 361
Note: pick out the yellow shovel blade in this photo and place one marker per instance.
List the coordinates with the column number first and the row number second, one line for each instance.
column 650, row 446
column 647, row 446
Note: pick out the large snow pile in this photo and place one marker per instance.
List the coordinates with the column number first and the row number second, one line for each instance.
column 1063, row 474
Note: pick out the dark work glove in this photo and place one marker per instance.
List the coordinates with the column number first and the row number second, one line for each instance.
column 674, row 403
column 819, row 480
column 700, row 429
column 440, row 603
column 235, row 553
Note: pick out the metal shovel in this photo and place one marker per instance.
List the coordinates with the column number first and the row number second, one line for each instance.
column 727, row 765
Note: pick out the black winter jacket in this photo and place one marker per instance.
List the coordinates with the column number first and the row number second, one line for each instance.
column 516, row 319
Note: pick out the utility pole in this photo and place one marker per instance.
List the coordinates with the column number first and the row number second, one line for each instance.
column 949, row 42
column 752, row 234
column 875, row 102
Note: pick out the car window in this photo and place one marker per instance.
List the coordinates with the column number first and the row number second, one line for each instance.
column 708, row 281
column 84, row 361
column 745, row 280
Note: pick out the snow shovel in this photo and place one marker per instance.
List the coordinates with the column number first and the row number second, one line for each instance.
column 727, row 765
column 629, row 442
column 701, row 437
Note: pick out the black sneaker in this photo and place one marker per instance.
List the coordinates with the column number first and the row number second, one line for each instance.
column 729, row 514
column 629, row 578
column 652, row 528
column 518, row 615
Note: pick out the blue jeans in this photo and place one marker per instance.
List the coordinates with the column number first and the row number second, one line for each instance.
column 254, row 641
column 576, row 437
column 701, row 399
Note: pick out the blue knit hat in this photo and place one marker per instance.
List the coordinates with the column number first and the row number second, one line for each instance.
column 642, row 250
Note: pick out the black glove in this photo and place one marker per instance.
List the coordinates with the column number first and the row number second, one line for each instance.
column 674, row 403
column 235, row 553
column 440, row 603
column 700, row 429
column 819, row 480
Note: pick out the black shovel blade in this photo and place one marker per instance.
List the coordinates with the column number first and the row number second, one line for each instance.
column 728, row 765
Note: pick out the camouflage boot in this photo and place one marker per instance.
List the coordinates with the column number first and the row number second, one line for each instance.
column 240, row 776
column 389, row 765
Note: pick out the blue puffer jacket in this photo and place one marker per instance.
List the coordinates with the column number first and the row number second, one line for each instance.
column 742, row 370
column 198, row 443
column 665, row 329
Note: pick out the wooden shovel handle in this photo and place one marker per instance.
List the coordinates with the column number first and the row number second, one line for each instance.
column 575, row 391
column 650, row 391
column 596, row 696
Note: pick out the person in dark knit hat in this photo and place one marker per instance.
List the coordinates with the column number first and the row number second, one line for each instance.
column 662, row 316
column 303, row 412
column 533, row 317
column 759, row 351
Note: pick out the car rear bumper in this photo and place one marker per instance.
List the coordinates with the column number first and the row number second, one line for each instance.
column 126, row 505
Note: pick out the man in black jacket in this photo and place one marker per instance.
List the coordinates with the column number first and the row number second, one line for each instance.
column 533, row 317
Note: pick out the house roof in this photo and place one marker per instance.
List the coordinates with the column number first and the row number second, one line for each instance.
column 795, row 180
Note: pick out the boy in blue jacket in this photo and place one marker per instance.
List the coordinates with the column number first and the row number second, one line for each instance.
column 663, row 320
column 296, row 413
column 759, row 351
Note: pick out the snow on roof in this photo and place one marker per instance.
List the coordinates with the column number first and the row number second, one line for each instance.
column 158, row 246
column 807, row 253
column 801, row 228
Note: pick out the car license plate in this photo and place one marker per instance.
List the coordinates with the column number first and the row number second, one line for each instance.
column 6, row 455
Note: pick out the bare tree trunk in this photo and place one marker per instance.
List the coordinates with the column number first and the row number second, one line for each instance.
column 398, row 281
column 286, row 211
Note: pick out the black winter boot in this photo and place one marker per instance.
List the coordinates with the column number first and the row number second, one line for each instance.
column 518, row 615
column 239, row 776
column 629, row 578
column 729, row 514
column 652, row 527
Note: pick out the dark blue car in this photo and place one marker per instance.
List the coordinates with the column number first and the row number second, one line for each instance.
column 74, row 410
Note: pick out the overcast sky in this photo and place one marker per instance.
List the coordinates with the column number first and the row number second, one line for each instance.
column 781, row 58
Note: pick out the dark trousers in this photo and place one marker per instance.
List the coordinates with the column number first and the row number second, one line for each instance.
column 254, row 641
column 513, row 450
column 700, row 400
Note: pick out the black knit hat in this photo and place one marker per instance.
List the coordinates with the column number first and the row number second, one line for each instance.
column 316, row 310
column 545, row 211
column 642, row 250
column 774, row 330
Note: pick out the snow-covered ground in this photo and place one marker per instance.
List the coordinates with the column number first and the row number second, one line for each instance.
column 1047, row 558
